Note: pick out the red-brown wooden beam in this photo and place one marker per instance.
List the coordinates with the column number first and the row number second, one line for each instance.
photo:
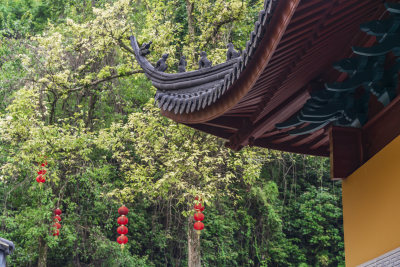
column 254, row 131
column 229, row 123
column 350, row 147
column 321, row 151
column 346, row 151
column 381, row 129
column 216, row 131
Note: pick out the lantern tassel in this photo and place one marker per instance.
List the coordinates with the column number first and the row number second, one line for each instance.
column 122, row 246
column 198, row 232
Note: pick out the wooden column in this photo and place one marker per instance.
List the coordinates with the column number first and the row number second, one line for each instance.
column 346, row 151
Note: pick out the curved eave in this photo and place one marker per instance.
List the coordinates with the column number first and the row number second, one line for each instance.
column 293, row 56
column 187, row 95
column 260, row 48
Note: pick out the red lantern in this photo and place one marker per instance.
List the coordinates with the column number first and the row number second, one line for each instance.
column 57, row 211
column 123, row 210
column 57, row 225
column 198, row 207
column 122, row 220
column 41, row 172
column 56, row 232
column 122, row 230
column 122, row 240
column 40, row 179
column 198, row 226
column 57, row 218
column 198, row 216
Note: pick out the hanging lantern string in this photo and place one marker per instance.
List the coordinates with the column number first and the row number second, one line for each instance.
column 122, row 229
column 41, row 172
column 57, row 220
column 198, row 216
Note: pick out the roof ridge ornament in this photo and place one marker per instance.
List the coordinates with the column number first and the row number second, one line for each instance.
column 161, row 64
column 145, row 49
column 182, row 64
column 204, row 62
column 231, row 53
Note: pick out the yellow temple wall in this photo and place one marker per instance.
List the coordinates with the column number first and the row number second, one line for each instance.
column 371, row 207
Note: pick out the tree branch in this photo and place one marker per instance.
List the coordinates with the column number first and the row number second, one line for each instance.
column 94, row 83
column 124, row 46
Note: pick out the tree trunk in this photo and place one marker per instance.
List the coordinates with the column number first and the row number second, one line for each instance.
column 194, row 257
column 42, row 108
column 92, row 103
column 189, row 10
column 53, row 109
column 190, row 19
column 42, row 262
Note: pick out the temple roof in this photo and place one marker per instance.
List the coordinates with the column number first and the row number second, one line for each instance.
column 191, row 91
column 284, row 91
column 6, row 246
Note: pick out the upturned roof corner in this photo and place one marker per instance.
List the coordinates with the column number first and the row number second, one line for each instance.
column 187, row 92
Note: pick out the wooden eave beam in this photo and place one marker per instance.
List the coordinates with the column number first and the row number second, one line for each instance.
column 254, row 131
column 346, row 151
column 216, row 131
column 350, row 148
column 381, row 129
column 321, row 151
column 225, row 122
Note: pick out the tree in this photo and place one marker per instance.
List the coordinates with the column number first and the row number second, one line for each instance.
column 173, row 162
column 73, row 67
column 189, row 27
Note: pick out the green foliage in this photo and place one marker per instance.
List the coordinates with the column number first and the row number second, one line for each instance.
column 209, row 27
column 176, row 161
column 19, row 17
column 318, row 221
column 11, row 70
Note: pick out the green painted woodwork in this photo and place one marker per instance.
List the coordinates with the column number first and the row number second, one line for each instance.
column 345, row 103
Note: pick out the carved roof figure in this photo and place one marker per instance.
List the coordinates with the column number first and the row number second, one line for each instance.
column 162, row 63
column 204, row 62
column 182, row 64
column 145, row 49
column 231, row 53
